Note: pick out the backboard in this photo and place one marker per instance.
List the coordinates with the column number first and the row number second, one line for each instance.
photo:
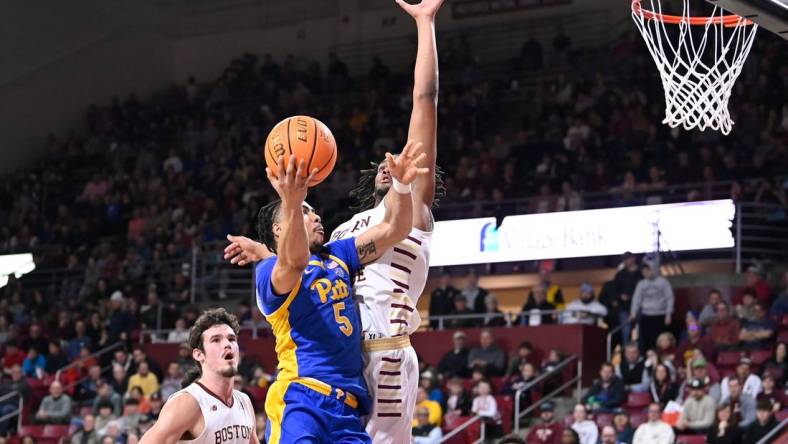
column 771, row 15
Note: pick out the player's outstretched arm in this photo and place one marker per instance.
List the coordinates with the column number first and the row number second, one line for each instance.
column 398, row 220
column 292, row 244
column 178, row 416
column 423, row 118
column 242, row 250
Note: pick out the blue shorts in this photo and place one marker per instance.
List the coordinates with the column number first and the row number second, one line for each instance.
column 298, row 414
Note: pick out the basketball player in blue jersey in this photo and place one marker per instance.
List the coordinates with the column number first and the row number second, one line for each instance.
column 305, row 292
column 390, row 286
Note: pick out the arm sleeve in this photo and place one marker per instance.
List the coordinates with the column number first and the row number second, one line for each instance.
column 500, row 361
column 616, row 395
column 435, row 436
column 706, row 420
column 671, row 297
column 267, row 299
column 490, row 410
column 636, row 299
column 345, row 249
column 747, row 412
column 63, row 409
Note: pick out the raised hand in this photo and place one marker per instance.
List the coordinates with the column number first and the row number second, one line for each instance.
column 291, row 186
column 405, row 167
column 425, row 8
column 243, row 251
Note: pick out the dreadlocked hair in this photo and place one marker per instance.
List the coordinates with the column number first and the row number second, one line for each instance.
column 364, row 193
column 265, row 221
column 208, row 319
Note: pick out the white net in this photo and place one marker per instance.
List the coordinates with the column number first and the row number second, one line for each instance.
column 699, row 60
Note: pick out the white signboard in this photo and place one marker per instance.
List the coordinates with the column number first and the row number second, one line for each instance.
column 676, row 227
column 16, row 264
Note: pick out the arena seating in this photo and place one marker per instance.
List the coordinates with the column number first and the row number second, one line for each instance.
column 119, row 206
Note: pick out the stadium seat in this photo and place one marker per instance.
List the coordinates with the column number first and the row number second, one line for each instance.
column 781, row 415
column 638, row 400
column 603, row 419
column 726, row 372
column 451, row 422
column 759, row 357
column 727, row 359
column 497, row 384
column 637, row 418
column 31, row 430
column 691, row 439
column 55, row 431
column 258, row 394
column 473, row 432
column 506, row 408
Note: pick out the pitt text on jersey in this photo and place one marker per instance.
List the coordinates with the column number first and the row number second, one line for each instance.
column 336, row 290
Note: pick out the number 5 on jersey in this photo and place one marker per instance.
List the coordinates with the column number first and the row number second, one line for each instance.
column 344, row 323
column 336, row 290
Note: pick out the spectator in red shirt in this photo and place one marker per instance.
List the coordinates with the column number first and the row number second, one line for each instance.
column 13, row 356
column 692, row 342
column 758, row 284
column 724, row 332
column 547, row 431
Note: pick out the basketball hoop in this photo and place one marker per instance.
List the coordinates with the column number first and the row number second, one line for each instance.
column 697, row 71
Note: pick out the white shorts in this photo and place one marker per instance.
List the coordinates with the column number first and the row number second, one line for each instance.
column 393, row 379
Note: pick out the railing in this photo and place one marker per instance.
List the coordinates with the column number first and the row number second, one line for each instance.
column 158, row 336
column 511, row 318
column 759, row 231
column 17, row 412
column 609, row 339
column 96, row 355
column 577, row 379
column 773, row 433
column 465, row 425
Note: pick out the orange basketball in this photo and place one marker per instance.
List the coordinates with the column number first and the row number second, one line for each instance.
column 308, row 139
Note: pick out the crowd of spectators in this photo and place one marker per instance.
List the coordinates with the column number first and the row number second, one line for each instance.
column 120, row 206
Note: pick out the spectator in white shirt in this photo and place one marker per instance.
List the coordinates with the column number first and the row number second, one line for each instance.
column 751, row 383
column 180, row 334
column 655, row 431
column 585, row 310
column 424, row 432
column 484, row 405
column 585, row 428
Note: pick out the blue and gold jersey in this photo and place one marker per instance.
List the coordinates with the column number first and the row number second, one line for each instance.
column 317, row 325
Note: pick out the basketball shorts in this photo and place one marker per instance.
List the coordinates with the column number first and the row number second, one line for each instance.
column 300, row 414
column 392, row 376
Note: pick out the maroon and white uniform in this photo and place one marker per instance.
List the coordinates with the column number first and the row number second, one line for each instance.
column 224, row 424
column 388, row 290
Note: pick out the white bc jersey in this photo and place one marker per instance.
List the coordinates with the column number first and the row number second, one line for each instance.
column 391, row 286
column 224, row 424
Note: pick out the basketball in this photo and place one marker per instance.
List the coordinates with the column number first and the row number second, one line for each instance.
column 307, row 138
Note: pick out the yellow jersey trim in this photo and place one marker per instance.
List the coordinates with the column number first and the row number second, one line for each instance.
column 275, row 409
column 326, row 390
column 289, row 300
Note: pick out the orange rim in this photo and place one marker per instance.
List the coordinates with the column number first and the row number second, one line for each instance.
column 725, row 20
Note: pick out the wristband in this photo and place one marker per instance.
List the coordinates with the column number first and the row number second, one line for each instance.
column 400, row 187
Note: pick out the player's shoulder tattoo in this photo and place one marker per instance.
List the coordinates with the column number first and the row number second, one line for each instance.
column 366, row 250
